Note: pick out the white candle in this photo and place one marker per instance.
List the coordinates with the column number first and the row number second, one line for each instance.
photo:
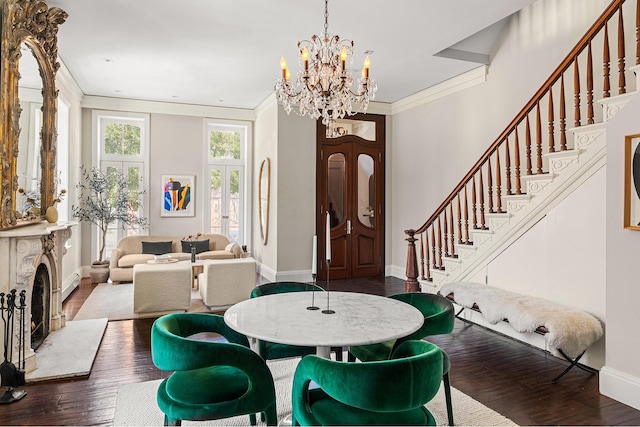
column 328, row 227
column 314, row 257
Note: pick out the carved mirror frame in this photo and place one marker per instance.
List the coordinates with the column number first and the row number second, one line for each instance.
column 264, row 194
column 31, row 22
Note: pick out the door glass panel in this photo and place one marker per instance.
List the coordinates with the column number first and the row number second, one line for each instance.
column 216, row 201
column 336, row 187
column 363, row 129
column 366, row 193
column 234, row 205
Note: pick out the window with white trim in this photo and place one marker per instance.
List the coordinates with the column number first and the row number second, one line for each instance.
column 227, row 152
column 123, row 147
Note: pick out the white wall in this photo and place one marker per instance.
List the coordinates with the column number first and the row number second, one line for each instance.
column 266, row 146
column 620, row 378
column 549, row 260
column 296, row 194
column 434, row 145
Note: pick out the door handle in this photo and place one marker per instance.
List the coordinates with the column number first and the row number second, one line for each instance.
column 348, row 226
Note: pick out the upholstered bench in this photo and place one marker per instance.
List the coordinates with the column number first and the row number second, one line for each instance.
column 568, row 332
column 161, row 287
column 224, row 282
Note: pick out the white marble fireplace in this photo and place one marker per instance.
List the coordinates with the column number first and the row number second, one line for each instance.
column 31, row 260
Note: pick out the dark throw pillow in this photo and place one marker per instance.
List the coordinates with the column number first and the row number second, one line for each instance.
column 200, row 245
column 157, row 248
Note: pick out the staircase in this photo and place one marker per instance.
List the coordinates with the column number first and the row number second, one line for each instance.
column 517, row 181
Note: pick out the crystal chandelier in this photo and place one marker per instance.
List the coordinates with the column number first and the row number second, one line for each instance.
column 323, row 86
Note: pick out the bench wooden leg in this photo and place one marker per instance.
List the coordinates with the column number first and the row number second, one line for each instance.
column 573, row 362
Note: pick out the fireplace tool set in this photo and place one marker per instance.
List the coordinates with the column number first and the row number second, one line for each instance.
column 10, row 374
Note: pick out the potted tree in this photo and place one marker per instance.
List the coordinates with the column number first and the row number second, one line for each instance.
column 104, row 199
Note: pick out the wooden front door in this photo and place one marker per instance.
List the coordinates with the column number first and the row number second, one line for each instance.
column 350, row 188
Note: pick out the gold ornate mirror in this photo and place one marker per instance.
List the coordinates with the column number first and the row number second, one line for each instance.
column 29, row 25
column 264, row 190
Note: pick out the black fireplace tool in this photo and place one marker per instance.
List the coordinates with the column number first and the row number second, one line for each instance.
column 11, row 375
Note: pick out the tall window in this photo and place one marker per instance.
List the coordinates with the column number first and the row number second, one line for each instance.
column 123, row 140
column 227, row 155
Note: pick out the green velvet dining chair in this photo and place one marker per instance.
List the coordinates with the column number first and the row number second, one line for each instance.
column 212, row 379
column 384, row 392
column 270, row 350
column 439, row 317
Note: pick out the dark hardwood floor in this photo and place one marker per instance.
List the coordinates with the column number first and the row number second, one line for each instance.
column 508, row 376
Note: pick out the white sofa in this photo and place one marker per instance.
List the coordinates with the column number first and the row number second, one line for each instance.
column 129, row 252
column 226, row 282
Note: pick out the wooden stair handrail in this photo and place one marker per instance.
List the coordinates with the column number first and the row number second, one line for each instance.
column 547, row 85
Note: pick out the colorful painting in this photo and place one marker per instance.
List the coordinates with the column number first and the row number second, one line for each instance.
column 178, row 195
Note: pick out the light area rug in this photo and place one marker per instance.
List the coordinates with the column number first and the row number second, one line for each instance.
column 136, row 404
column 69, row 351
column 115, row 302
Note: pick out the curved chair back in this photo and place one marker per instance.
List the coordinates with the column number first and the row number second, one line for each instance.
column 283, row 287
column 391, row 389
column 241, row 382
column 438, row 311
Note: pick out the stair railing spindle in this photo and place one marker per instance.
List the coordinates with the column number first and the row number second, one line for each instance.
column 538, row 139
column 445, row 235
column 481, row 192
column 507, row 156
column 452, row 236
column 473, row 202
column 421, row 258
column 427, row 261
column 498, row 183
column 528, row 146
column 516, row 154
column 440, row 244
column 466, row 217
column 606, row 61
column 563, row 117
column 551, row 120
column 433, row 246
column 459, row 219
column 637, row 32
column 576, row 93
column 590, row 114
column 622, row 83
column 489, row 187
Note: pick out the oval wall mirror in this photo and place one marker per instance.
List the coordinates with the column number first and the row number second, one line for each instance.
column 264, row 190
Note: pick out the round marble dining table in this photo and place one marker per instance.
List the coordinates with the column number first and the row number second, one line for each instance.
column 359, row 319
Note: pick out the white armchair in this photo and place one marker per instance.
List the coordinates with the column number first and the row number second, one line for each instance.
column 226, row 282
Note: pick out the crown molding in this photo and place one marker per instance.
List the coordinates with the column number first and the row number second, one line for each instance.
column 463, row 81
column 155, row 107
column 65, row 80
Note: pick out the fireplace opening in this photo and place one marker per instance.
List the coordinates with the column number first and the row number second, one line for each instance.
column 40, row 306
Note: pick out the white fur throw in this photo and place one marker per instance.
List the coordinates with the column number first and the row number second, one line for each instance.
column 571, row 330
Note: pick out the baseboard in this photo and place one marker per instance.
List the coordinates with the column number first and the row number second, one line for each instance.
column 294, row 276
column 71, row 283
column 620, row 386
column 266, row 272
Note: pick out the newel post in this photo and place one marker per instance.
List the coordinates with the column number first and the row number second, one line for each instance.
column 411, row 284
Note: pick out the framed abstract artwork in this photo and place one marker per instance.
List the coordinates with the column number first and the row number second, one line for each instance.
column 178, row 195
column 632, row 182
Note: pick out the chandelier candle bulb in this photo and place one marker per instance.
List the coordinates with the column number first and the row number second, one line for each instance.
column 367, row 64
column 305, row 58
column 343, row 58
column 283, row 65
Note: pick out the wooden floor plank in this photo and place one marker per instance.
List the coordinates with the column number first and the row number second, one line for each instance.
column 506, row 375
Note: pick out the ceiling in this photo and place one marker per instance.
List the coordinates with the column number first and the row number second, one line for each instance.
column 227, row 52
